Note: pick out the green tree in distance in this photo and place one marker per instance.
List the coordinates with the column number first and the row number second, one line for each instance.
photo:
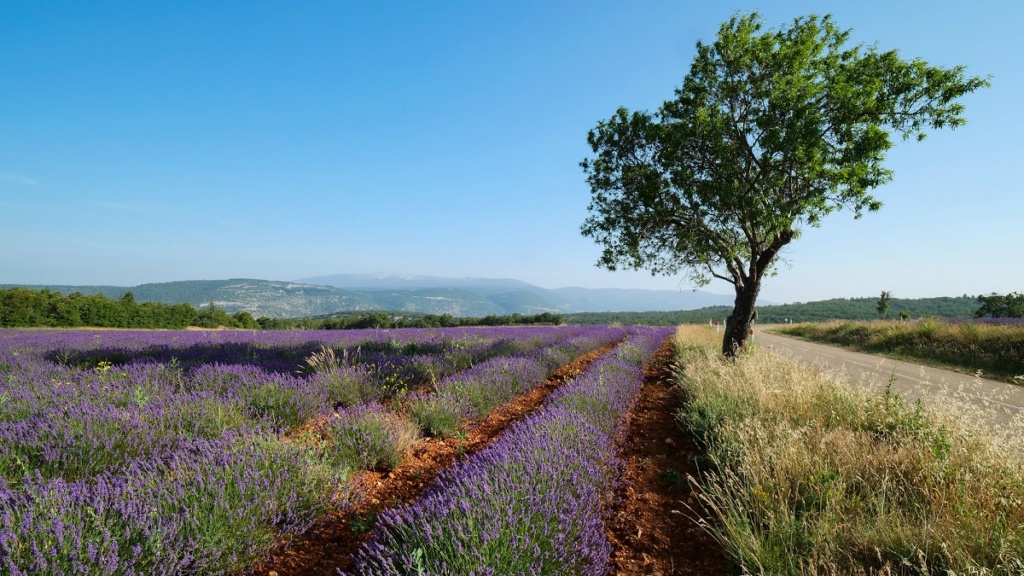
column 997, row 306
column 771, row 131
column 883, row 304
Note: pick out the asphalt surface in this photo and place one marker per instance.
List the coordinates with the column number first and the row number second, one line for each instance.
column 989, row 402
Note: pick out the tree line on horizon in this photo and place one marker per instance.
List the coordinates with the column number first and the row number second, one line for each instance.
column 26, row 308
column 957, row 307
column 22, row 308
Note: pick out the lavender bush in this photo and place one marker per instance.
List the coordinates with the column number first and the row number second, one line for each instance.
column 211, row 508
column 529, row 504
column 349, row 385
column 532, row 502
column 474, row 393
column 368, row 436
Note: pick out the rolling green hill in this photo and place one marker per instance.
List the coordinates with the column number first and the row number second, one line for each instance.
column 462, row 297
column 819, row 311
column 478, row 298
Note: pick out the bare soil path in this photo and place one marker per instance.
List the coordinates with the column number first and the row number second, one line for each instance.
column 653, row 525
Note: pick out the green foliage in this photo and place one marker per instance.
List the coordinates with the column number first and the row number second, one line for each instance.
column 996, row 306
column 819, row 311
column 210, row 316
column 280, row 405
column 436, row 417
column 771, row 131
column 883, row 304
column 21, row 307
column 351, row 387
column 245, row 320
column 363, row 523
column 670, row 475
column 369, row 440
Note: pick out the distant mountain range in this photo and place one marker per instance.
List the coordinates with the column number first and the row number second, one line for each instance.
column 322, row 295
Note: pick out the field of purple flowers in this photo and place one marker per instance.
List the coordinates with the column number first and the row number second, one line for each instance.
column 532, row 502
column 126, row 452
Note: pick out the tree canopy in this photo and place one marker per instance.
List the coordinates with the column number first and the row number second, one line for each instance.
column 771, row 131
column 883, row 303
column 999, row 306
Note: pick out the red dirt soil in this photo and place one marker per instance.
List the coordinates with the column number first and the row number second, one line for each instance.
column 649, row 536
column 653, row 524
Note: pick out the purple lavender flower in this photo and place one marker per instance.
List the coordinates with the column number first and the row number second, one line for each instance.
column 132, row 452
column 532, row 502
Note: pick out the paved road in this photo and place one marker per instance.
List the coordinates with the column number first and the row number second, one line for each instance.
column 996, row 402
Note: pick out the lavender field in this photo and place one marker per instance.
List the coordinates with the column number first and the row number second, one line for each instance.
column 533, row 502
column 126, row 452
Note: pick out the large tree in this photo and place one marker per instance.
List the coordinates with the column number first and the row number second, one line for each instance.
column 771, row 131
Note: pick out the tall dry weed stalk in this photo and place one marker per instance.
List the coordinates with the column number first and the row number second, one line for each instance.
column 326, row 360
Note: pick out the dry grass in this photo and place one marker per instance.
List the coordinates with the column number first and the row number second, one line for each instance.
column 997, row 350
column 323, row 360
column 809, row 476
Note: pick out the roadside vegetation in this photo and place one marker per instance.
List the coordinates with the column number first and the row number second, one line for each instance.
column 808, row 476
column 995, row 349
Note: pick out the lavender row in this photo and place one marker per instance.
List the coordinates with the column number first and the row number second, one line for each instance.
column 153, row 467
column 62, row 421
column 532, row 502
column 135, row 342
column 273, row 351
column 368, row 436
column 378, row 366
column 474, row 393
column 389, row 374
column 212, row 507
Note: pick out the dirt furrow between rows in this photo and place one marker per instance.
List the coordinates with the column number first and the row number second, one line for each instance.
column 653, row 524
column 333, row 540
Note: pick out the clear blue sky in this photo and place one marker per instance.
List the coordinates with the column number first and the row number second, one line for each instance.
column 158, row 141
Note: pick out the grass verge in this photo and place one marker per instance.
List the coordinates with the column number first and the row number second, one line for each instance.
column 809, row 476
column 995, row 350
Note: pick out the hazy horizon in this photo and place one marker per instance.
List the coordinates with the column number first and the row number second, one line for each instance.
column 310, row 280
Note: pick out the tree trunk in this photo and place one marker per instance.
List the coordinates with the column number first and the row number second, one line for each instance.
column 738, row 325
